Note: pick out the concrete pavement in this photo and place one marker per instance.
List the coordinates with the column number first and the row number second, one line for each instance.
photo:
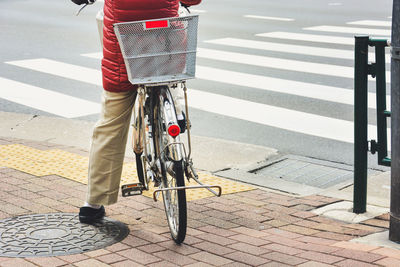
column 250, row 226
column 208, row 153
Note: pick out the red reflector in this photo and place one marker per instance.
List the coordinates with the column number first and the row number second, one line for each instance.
column 157, row 24
column 174, row 130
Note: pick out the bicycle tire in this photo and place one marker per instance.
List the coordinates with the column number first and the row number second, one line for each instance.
column 174, row 200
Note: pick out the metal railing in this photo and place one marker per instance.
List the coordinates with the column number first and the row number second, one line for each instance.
column 361, row 143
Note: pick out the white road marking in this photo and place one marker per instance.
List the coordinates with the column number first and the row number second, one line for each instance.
column 268, row 18
column 289, row 48
column 278, row 63
column 383, row 23
column 286, row 119
column 309, row 37
column 61, row 69
column 352, row 30
column 197, row 10
column 46, row 100
column 97, row 55
column 310, row 90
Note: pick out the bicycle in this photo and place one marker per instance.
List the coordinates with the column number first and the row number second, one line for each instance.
column 160, row 55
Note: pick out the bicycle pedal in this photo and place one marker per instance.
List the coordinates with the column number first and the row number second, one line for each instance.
column 134, row 189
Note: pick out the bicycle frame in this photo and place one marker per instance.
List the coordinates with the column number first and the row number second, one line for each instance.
column 176, row 148
column 139, row 131
column 159, row 55
column 162, row 158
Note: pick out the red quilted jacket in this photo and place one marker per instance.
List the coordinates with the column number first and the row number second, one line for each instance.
column 115, row 78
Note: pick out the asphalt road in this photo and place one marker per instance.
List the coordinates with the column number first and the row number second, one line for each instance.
column 278, row 79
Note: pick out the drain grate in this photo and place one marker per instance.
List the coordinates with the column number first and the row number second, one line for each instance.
column 56, row 234
column 316, row 173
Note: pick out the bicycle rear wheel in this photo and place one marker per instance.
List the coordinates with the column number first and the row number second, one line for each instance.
column 175, row 201
column 172, row 172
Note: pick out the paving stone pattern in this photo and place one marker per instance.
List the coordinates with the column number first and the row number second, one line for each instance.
column 253, row 228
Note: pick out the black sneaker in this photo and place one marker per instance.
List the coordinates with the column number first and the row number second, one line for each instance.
column 91, row 215
column 182, row 123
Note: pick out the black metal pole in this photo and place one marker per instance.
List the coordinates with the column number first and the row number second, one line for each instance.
column 394, row 229
column 381, row 111
column 360, row 123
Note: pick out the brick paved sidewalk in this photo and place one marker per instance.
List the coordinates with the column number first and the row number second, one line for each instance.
column 253, row 228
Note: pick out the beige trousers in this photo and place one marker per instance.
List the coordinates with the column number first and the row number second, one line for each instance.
column 108, row 147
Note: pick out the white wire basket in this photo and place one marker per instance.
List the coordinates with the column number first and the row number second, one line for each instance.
column 159, row 51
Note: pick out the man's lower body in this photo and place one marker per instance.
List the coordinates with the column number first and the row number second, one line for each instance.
column 107, row 150
column 107, row 153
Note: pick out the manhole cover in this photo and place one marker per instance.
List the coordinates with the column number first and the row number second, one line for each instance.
column 56, row 234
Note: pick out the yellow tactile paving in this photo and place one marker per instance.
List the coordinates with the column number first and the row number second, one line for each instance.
column 74, row 167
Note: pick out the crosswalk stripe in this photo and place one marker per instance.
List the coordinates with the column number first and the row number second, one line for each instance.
column 240, row 109
column 96, row 55
column 352, row 30
column 61, row 69
column 46, row 100
column 278, row 47
column 287, row 119
column 383, row 23
column 197, row 10
column 268, row 18
column 309, row 37
column 288, row 48
column 310, row 90
column 278, row 63
column 321, row 92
